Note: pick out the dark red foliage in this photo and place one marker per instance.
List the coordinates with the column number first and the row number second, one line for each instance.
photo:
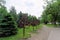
column 23, row 21
column 35, row 22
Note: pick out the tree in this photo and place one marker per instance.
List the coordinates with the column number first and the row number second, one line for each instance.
column 44, row 18
column 13, row 13
column 22, row 21
column 58, row 18
column 34, row 22
column 53, row 10
column 8, row 26
column 3, row 10
column 30, row 19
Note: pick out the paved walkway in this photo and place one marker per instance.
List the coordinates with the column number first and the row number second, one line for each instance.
column 46, row 34
column 42, row 34
column 55, row 34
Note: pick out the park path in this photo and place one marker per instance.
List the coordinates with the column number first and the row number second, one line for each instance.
column 46, row 33
column 55, row 34
column 42, row 34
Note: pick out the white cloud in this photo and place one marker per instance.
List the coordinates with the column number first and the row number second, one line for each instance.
column 33, row 7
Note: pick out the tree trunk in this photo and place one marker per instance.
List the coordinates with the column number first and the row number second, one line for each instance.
column 23, row 31
column 33, row 28
column 36, row 27
column 54, row 23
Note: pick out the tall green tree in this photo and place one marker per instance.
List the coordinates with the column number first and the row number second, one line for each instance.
column 8, row 26
column 13, row 13
column 53, row 10
column 44, row 18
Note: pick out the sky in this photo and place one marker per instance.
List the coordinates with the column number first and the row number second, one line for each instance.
column 33, row 7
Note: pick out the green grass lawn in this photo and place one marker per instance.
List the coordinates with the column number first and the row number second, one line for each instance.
column 19, row 35
column 52, row 25
column 49, row 25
